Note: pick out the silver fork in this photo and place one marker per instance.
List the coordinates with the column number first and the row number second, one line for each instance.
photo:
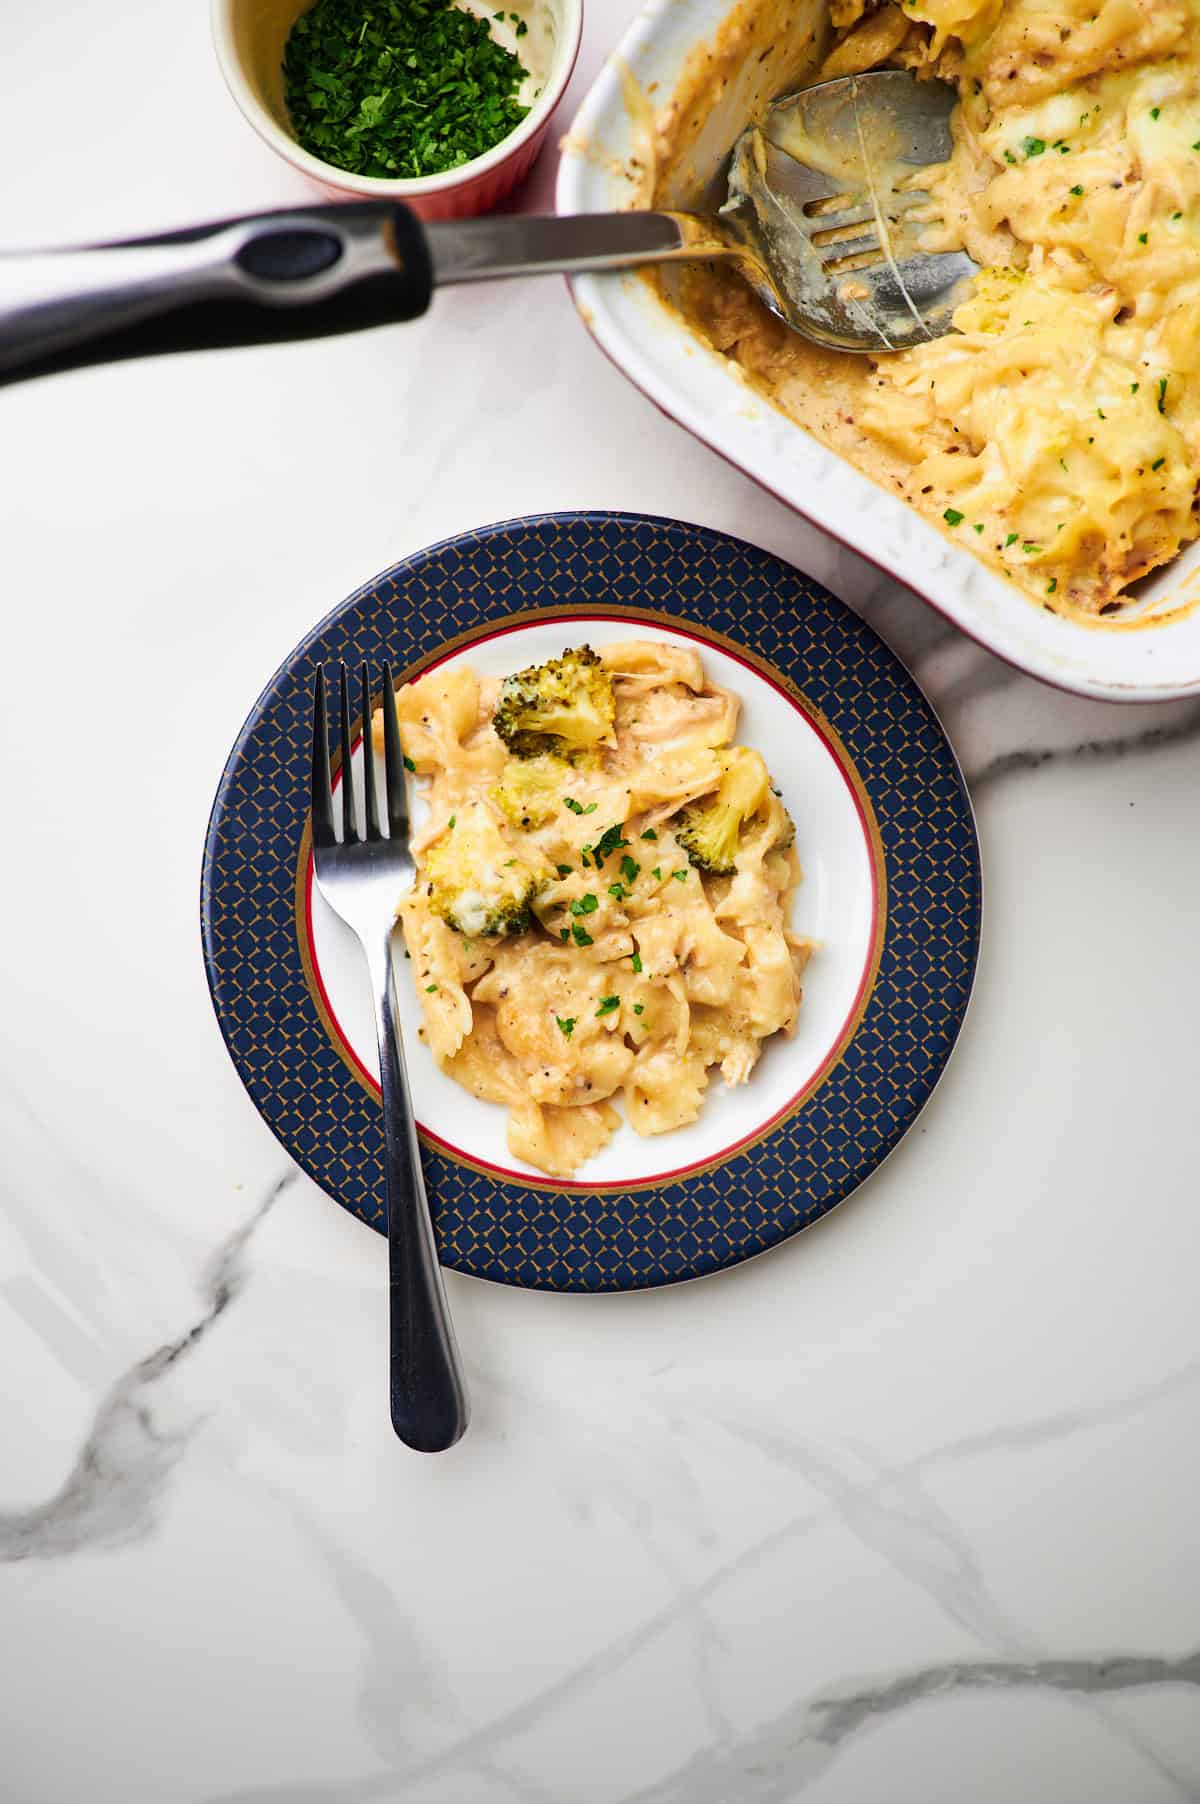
column 361, row 877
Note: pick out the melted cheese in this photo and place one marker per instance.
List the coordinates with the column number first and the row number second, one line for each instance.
column 640, row 973
column 1056, row 431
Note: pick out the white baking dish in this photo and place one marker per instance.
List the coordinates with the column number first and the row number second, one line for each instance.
column 704, row 393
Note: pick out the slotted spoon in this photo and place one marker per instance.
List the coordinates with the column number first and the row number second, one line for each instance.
column 823, row 217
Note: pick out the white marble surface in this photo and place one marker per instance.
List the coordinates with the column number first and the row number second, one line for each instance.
column 907, row 1509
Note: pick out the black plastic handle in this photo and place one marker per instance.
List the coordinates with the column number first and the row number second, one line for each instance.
column 263, row 278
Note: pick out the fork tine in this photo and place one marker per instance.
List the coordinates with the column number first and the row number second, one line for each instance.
column 372, row 800
column 393, row 762
column 349, row 811
column 320, row 793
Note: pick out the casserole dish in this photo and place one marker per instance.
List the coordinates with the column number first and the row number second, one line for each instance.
column 744, row 57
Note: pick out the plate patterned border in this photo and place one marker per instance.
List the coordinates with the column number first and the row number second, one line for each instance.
column 582, row 1238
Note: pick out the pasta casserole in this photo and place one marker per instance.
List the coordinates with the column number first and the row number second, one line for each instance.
column 1056, row 431
column 603, row 883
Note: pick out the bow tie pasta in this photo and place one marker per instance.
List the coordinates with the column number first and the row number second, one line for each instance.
column 603, row 884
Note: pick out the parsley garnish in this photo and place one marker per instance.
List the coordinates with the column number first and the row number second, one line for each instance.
column 952, row 517
column 639, row 1008
column 564, row 933
column 564, row 870
column 629, row 870
column 617, row 891
column 649, row 833
column 579, row 807
column 430, row 988
column 636, row 961
column 1052, row 585
column 1162, row 394
column 584, row 905
column 566, row 1027
column 581, row 936
column 408, row 763
column 608, row 1004
column 679, row 876
column 609, row 841
column 658, row 872
column 400, row 88
column 1011, row 540
column 1033, row 147
column 1158, row 463
column 1077, row 190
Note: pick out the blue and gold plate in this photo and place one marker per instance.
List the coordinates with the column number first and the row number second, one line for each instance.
column 891, row 896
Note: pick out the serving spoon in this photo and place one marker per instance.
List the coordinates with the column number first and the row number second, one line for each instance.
column 823, row 216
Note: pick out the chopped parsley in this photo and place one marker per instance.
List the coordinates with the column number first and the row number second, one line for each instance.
column 430, row 988
column 1077, row 190
column 1033, row 147
column 1011, row 539
column 1155, row 111
column 639, row 1008
column 609, row 841
column 1162, row 394
column 629, row 870
column 617, row 891
column 584, row 905
column 564, row 870
column 564, row 933
column 952, row 517
column 1143, row 237
column 636, row 961
column 579, row 807
column 581, row 936
column 1158, row 463
column 1052, row 585
column 608, row 1004
column 408, row 763
column 649, row 833
column 679, row 876
column 398, row 88
column 452, row 820
column 658, row 872
column 566, row 1027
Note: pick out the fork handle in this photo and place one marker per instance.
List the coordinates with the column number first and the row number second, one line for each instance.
column 428, row 1393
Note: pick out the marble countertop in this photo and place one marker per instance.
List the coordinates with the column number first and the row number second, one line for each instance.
column 904, row 1510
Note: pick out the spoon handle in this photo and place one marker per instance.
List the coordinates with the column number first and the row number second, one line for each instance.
column 302, row 273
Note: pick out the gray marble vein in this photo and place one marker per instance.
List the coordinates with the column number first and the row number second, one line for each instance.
column 400, row 1698
column 112, row 1493
column 785, row 1754
column 1180, row 731
column 794, row 1748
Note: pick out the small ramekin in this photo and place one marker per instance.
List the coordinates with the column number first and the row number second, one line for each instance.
column 250, row 35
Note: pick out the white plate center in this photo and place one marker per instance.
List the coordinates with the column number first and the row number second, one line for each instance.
column 836, row 904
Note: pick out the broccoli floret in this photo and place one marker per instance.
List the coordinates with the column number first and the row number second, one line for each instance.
column 531, row 793
column 565, row 707
column 474, row 881
column 708, row 829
